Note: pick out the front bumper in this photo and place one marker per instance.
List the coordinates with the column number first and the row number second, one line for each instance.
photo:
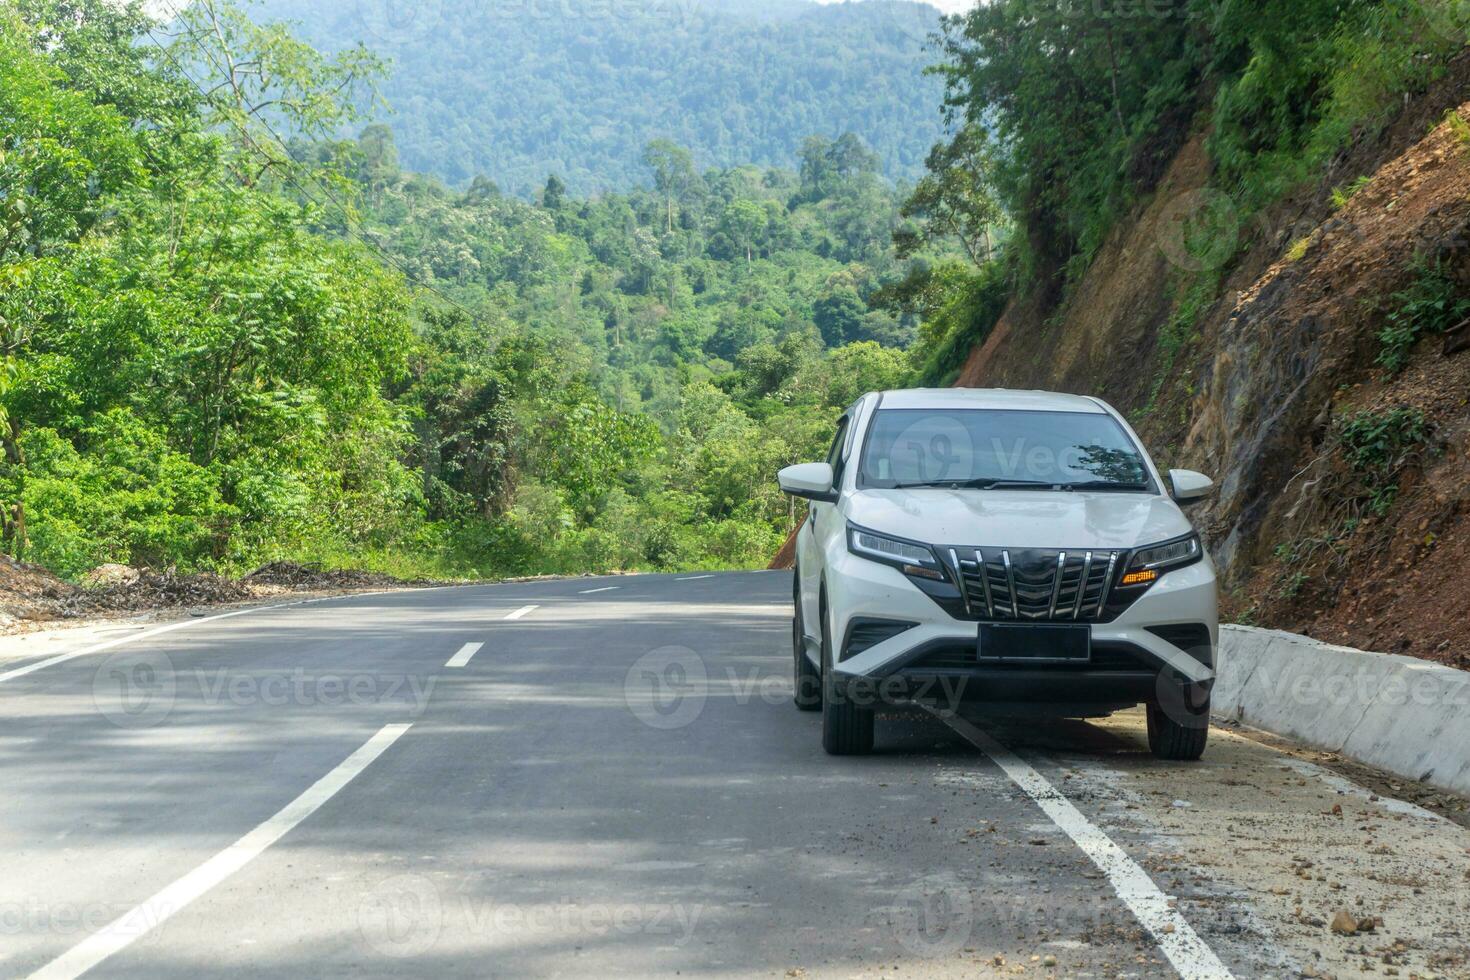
column 935, row 658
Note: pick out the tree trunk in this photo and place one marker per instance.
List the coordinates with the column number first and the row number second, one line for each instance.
column 1117, row 103
column 14, row 518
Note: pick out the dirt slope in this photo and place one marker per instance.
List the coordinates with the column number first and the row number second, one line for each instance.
column 1257, row 387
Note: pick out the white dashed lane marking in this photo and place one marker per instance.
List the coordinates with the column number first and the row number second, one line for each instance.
column 606, row 588
column 462, row 658
column 523, row 611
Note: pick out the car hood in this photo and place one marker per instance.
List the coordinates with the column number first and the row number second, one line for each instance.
column 1019, row 518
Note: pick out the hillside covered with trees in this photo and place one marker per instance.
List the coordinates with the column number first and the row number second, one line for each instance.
column 229, row 336
column 516, row 91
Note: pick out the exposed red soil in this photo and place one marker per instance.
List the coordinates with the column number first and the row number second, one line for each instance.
column 1256, row 391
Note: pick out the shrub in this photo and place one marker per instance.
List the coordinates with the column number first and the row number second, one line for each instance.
column 1378, row 445
column 1431, row 304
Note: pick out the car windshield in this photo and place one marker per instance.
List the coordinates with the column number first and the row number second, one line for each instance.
column 997, row 449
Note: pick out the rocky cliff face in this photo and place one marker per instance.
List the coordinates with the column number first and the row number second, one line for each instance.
column 1250, row 349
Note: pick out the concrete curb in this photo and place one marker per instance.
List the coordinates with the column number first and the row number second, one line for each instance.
column 1408, row 716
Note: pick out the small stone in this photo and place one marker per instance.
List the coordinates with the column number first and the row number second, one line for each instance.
column 1048, row 960
column 1344, row 924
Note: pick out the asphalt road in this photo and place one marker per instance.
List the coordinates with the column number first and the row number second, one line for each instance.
column 607, row 777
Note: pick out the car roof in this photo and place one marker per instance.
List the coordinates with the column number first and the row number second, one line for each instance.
column 991, row 398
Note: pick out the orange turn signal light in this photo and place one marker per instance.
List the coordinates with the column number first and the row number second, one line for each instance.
column 1139, row 578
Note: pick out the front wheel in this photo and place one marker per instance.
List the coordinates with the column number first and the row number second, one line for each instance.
column 847, row 729
column 1177, row 731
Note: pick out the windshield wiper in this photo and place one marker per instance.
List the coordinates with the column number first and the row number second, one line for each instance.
column 984, row 483
column 1104, row 485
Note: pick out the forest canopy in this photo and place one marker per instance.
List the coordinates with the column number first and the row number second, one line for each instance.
column 230, row 336
column 516, row 91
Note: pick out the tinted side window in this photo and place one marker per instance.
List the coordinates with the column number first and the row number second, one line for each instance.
column 834, row 455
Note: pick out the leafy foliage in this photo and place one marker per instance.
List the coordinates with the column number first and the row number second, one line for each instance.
column 1433, row 303
column 1378, row 445
column 1086, row 103
column 221, row 345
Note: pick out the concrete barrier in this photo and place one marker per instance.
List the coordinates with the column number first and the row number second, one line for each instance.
column 1405, row 715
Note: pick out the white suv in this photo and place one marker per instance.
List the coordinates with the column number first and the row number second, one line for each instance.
column 991, row 550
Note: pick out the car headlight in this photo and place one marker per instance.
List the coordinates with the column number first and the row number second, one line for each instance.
column 908, row 557
column 1151, row 562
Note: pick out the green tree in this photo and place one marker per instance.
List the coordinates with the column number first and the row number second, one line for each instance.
column 744, row 223
column 956, row 199
column 673, row 173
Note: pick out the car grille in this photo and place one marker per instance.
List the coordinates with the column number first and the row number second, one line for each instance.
column 1035, row 585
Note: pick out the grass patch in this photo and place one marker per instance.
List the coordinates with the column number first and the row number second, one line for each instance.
column 1432, row 303
column 1378, row 446
column 1459, row 128
column 1342, row 195
column 1181, row 330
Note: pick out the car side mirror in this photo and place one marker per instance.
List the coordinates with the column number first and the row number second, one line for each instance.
column 1188, row 486
column 810, row 480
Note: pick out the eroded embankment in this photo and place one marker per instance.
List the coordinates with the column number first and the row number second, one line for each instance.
column 1344, row 502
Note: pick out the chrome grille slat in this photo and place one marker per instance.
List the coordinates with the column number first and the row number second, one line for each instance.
column 1102, row 601
column 984, row 574
column 1056, row 585
column 1011, row 585
column 1082, row 584
column 959, row 578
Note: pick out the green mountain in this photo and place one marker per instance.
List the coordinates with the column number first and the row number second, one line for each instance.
column 517, row 91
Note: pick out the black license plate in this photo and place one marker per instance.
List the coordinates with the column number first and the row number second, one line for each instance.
column 1031, row 643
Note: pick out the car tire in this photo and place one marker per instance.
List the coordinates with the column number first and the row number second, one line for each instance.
column 847, row 729
column 1179, row 732
column 806, row 677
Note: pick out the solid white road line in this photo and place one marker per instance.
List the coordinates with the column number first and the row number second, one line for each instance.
column 693, row 578
column 605, row 588
column 524, row 610
column 135, row 637
column 11, row 675
column 139, row 921
column 465, row 653
column 1179, row 942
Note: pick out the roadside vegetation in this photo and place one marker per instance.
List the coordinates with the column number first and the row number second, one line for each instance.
column 230, row 337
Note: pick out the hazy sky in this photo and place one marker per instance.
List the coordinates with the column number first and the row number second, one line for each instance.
column 948, row 6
